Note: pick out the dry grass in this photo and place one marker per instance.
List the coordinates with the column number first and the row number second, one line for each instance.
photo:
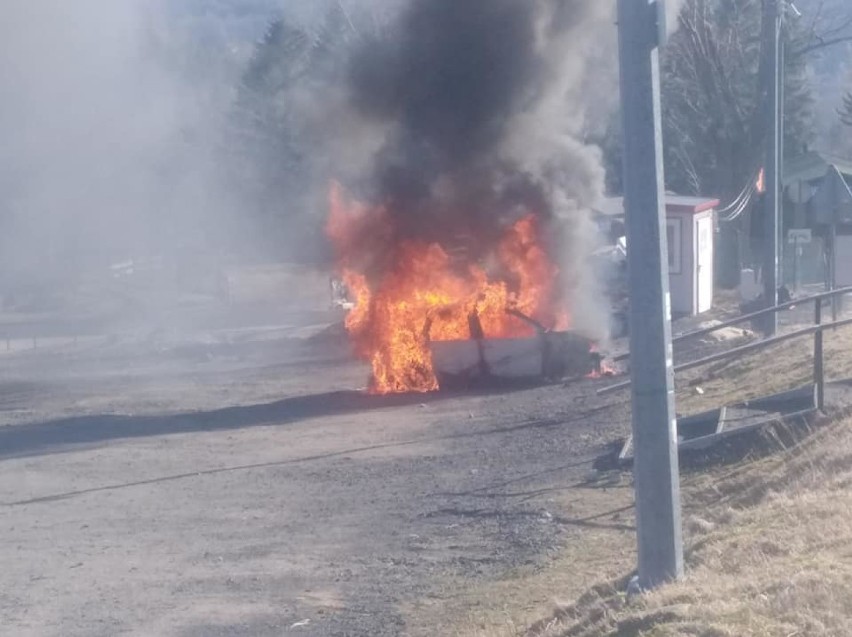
column 775, row 369
column 770, row 554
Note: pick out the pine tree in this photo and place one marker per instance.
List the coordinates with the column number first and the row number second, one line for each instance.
column 273, row 152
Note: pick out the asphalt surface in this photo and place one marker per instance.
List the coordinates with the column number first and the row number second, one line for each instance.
column 241, row 484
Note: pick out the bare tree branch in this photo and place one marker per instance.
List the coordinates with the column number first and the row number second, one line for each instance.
column 819, row 44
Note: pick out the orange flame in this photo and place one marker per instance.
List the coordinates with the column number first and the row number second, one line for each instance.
column 424, row 295
column 605, row 369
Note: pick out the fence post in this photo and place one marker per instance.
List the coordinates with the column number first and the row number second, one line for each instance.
column 833, row 271
column 819, row 369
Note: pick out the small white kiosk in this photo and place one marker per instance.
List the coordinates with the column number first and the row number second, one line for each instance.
column 690, row 229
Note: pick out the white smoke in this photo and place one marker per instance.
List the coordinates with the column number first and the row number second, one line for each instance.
column 110, row 118
column 548, row 139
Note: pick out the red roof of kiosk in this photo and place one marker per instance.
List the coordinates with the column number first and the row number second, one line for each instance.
column 694, row 205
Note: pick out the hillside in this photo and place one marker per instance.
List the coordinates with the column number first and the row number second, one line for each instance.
column 767, row 554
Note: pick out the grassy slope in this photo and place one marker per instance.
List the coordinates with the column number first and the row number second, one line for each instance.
column 766, row 540
column 769, row 554
column 775, row 369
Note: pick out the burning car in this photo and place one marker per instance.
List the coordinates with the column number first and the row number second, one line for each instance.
column 437, row 317
column 461, row 192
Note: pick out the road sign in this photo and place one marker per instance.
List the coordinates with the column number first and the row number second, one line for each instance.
column 799, row 236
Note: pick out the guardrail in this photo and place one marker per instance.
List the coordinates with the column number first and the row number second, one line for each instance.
column 817, row 330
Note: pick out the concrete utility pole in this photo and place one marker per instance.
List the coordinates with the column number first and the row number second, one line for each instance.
column 655, row 469
column 773, row 82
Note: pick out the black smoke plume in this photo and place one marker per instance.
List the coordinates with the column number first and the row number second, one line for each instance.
column 482, row 107
column 450, row 77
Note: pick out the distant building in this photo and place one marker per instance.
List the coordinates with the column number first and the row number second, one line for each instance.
column 804, row 177
column 817, row 199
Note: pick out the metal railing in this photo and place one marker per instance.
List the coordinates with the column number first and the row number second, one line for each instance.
column 817, row 329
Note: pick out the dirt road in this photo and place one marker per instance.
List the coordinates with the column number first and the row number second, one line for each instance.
column 241, row 485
